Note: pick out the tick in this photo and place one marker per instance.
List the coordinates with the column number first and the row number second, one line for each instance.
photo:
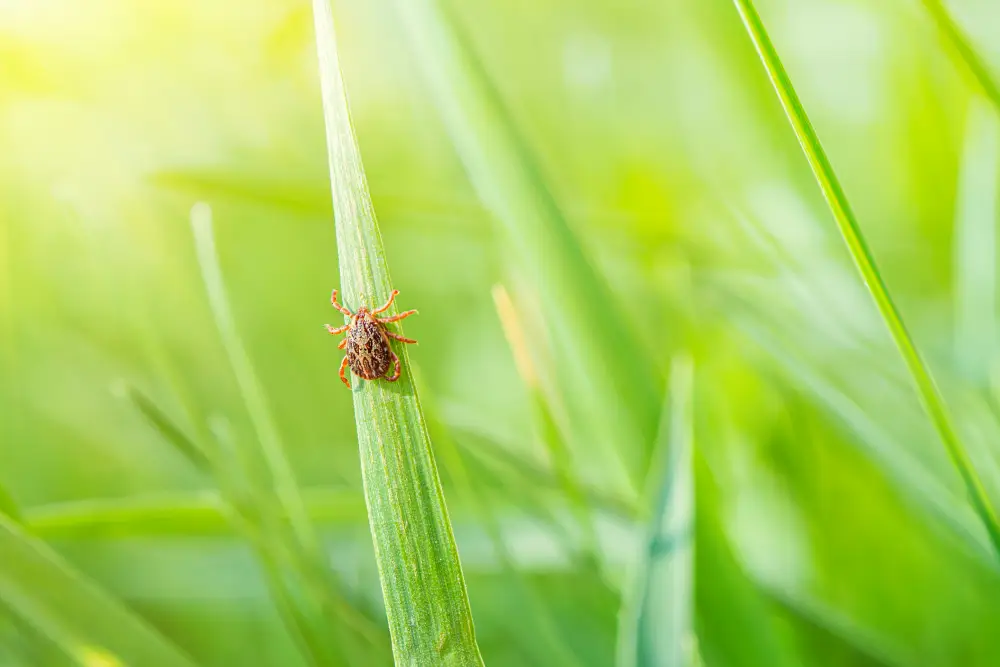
column 367, row 341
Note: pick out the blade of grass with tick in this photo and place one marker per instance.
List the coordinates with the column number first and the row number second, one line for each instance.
column 975, row 245
column 974, row 63
column 655, row 624
column 617, row 403
column 84, row 621
column 830, row 186
column 430, row 620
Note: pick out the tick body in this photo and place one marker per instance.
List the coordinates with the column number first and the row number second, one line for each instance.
column 368, row 353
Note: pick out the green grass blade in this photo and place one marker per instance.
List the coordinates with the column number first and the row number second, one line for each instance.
column 656, row 620
column 422, row 582
column 285, row 485
column 975, row 245
column 618, row 403
column 83, row 620
column 193, row 514
column 975, row 63
column 166, row 427
column 851, row 232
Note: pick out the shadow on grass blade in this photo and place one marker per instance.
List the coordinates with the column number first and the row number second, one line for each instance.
column 422, row 582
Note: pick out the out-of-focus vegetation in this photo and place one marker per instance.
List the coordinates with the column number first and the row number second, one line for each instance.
column 575, row 195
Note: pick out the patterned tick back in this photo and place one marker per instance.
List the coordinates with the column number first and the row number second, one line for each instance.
column 368, row 352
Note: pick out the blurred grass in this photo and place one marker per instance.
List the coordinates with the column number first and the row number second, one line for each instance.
column 613, row 401
column 967, row 54
column 656, row 622
column 634, row 146
column 865, row 262
column 91, row 627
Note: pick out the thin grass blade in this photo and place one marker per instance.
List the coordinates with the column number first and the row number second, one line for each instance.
column 966, row 52
column 166, row 427
column 285, row 485
column 656, row 622
column 430, row 620
column 77, row 615
column 193, row 514
column 830, row 186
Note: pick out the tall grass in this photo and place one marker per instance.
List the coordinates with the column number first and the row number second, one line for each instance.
column 425, row 597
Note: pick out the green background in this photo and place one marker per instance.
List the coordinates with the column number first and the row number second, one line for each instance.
column 834, row 527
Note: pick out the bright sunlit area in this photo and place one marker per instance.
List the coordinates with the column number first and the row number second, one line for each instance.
column 506, row 333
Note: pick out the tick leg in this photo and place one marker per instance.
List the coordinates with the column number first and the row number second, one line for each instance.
column 395, row 374
column 337, row 330
column 333, row 301
column 342, row 345
column 387, row 303
column 396, row 318
column 398, row 337
column 343, row 367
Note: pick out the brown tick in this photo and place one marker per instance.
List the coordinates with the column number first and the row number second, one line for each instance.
column 367, row 342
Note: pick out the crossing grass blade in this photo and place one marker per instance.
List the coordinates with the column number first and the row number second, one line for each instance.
column 850, row 230
column 656, row 622
column 616, row 405
column 192, row 514
column 430, row 620
column 87, row 623
column 966, row 52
